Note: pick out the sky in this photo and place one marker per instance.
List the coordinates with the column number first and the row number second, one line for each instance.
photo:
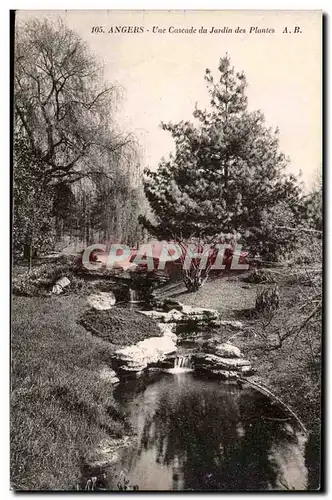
column 162, row 74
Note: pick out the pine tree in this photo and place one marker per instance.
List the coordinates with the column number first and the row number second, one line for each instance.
column 226, row 172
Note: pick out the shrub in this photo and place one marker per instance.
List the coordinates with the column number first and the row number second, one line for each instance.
column 260, row 276
column 267, row 300
column 40, row 280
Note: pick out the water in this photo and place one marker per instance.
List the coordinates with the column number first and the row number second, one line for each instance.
column 195, row 434
column 182, row 364
column 134, row 296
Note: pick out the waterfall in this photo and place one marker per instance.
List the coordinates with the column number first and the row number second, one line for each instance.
column 182, row 364
column 133, row 296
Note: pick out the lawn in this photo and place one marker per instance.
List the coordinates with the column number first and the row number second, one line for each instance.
column 61, row 408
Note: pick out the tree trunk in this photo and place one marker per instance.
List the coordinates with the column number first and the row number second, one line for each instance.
column 30, row 255
column 193, row 284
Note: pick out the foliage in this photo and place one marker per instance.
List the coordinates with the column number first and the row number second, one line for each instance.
column 226, row 171
column 277, row 327
column 61, row 105
column 40, row 280
column 312, row 209
column 260, row 276
column 88, row 171
column 32, row 220
column 267, row 300
column 277, row 234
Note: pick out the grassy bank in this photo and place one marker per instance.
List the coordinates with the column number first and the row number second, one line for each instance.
column 60, row 406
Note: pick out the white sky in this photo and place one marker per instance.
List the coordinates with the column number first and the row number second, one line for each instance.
column 163, row 74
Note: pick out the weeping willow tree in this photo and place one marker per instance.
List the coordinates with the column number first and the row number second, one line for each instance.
column 64, row 114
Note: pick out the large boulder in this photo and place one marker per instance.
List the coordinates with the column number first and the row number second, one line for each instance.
column 184, row 314
column 102, row 300
column 135, row 358
column 168, row 329
column 200, row 313
column 164, row 317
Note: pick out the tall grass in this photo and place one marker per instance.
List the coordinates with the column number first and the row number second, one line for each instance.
column 60, row 407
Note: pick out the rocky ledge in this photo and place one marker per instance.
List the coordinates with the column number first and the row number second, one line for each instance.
column 221, row 367
column 133, row 359
column 185, row 314
column 214, row 358
column 221, row 359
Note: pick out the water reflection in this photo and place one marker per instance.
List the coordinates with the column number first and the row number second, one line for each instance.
column 195, row 434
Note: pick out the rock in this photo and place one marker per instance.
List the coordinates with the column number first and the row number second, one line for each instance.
column 169, row 304
column 166, row 363
column 213, row 362
column 222, row 374
column 108, row 375
column 236, row 325
column 200, row 313
column 109, row 450
column 101, row 301
column 188, row 313
column 225, row 350
column 137, row 357
column 63, row 282
column 57, row 289
column 169, row 317
column 60, row 285
column 168, row 329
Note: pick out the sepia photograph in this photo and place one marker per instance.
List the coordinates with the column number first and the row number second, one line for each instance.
column 166, row 250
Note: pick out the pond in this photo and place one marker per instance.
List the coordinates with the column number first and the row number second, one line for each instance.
column 197, row 434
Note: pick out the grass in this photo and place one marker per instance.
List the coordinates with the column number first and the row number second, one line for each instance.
column 229, row 295
column 61, row 409
column 119, row 327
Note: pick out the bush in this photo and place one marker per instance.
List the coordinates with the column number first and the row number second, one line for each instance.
column 260, row 276
column 267, row 300
column 40, row 280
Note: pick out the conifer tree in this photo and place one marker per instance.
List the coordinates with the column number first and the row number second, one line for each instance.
column 226, row 172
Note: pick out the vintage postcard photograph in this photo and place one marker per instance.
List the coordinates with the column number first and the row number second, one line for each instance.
column 166, row 242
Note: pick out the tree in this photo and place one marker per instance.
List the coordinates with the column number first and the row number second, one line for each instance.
column 64, row 115
column 32, row 208
column 61, row 105
column 226, row 173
